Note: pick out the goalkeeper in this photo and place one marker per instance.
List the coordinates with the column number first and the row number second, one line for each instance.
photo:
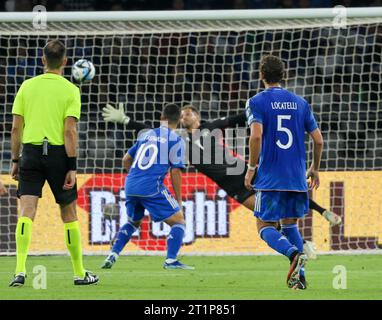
column 215, row 170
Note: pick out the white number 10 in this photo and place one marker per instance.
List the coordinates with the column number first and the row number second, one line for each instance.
column 286, row 130
column 141, row 153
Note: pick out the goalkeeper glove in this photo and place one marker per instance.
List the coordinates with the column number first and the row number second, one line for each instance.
column 310, row 250
column 111, row 114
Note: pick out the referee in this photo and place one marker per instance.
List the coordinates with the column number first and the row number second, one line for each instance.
column 45, row 114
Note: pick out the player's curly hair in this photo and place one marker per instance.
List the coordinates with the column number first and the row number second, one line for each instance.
column 272, row 68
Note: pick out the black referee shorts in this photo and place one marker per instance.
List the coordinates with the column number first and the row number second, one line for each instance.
column 35, row 168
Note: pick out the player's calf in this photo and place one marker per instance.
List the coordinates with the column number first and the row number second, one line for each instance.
column 174, row 242
column 275, row 239
column 122, row 238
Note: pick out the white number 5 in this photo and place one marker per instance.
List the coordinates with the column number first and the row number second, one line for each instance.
column 286, row 130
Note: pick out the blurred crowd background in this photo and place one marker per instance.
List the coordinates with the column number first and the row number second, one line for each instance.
column 337, row 70
column 74, row 5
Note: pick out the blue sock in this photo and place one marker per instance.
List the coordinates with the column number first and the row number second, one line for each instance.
column 277, row 241
column 123, row 237
column 293, row 235
column 174, row 240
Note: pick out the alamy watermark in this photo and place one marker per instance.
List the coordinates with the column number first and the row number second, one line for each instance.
column 40, row 17
column 340, row 279
column 40, row 279
column 340, row 18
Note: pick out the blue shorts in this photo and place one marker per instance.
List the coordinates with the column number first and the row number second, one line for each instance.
column 160, row 206
column 273, row 206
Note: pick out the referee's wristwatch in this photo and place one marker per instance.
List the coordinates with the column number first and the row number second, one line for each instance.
column 252, row 168
column 15, row 160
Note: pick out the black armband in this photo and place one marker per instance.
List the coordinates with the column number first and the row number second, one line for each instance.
column 72, row 163
column 15, row 160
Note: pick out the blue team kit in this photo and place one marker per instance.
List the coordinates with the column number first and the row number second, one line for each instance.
column 155, row 153
column 281, row 178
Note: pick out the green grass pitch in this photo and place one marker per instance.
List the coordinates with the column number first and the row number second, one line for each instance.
column 220, row 277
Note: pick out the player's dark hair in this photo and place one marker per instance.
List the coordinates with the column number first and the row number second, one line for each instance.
column 171, row 113
column 272, row 69
column 192, row 108
column 54, row 52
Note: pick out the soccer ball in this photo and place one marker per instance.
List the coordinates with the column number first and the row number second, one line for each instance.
column 83, row 70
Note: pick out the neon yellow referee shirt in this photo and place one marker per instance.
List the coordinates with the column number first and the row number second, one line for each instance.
column 45, row 101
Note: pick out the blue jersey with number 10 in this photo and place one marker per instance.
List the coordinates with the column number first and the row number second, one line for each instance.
column 285, row 118
column 155, row 152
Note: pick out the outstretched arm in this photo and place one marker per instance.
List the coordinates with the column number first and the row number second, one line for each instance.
column 16, row 137
column 227, row 122
column 111, row 114
column 71, row 142
column 254, row 152
column 318, row 143
column 238, row 119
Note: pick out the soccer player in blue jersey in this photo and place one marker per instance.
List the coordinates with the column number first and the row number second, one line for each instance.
column 278, row 120
column 147, row 162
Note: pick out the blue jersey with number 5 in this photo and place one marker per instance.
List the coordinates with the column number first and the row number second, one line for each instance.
column 155, row 152
column 285, row 118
